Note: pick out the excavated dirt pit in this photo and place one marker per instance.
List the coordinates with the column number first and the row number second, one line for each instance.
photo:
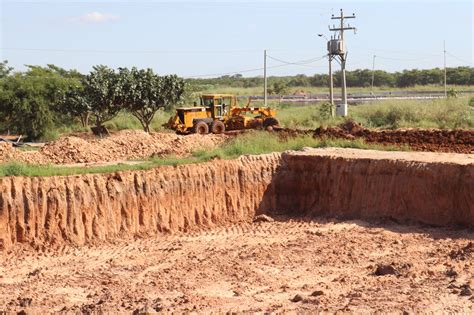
column 331, row 265
column 354, row 231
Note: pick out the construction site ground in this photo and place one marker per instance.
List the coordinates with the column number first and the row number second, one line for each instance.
column 286, row 265
column 137, row 145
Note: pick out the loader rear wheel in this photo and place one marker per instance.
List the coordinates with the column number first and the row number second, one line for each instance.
column 201, row 128
column 270, row 122
column 218, row 127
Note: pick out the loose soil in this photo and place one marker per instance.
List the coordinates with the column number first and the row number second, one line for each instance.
column 121, row 146
column 280, row 266
column 432, row 140
column 7, row 152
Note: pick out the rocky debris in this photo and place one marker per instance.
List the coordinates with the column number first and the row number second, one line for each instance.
column 383, row 270
column 450, row 272
column 317, row 293
column 297, row 298
column 462, row 290
column 465, row 290
column 150, row 308
column 396, row 269
column 462, row 253
column 263, row 218
column 7, row 152
column 24, row 301
column 34, row 273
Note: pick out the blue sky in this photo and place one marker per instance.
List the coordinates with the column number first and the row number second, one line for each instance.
column 193, row 38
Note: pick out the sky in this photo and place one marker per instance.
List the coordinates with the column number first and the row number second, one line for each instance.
column 212, row 38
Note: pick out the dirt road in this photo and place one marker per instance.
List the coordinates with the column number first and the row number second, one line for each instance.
column 270, row 266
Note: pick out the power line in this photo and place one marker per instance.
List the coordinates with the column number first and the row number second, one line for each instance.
column 133, row 51
column 404, row 59
column 254, row 69
column 459, row 59
column 297, row 63
column 404, row 52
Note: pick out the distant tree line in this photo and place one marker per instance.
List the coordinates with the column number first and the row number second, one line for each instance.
column 40, row 99
column 356, row 78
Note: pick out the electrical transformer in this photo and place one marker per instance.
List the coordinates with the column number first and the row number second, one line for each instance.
column 336, row 47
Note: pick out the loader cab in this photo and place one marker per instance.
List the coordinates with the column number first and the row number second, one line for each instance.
column 218, row 104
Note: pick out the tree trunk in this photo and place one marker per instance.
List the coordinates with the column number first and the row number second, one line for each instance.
column 85, row 119
column 99, row 129
column 144, row 119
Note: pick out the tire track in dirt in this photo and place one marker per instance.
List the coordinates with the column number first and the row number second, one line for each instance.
column 249, row 267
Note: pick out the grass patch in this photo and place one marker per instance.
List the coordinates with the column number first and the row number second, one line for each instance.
column 451, row 113
column 246, row 91
column 443, row 114
column 254, row 143
column 30, row 170
column 126, row 120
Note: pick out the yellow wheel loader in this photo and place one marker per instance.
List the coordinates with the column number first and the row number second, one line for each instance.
column 218, row 113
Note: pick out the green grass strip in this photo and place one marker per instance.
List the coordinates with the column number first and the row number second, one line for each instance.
column 252, row 143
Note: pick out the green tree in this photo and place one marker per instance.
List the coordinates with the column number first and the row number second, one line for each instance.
column 24, row 107
column 76, row 104
column 279, row 88
column 29, row 100
column 5, row 70
column 103, row 88
column 145, row 93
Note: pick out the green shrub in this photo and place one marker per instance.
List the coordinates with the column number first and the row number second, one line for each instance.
column 326, row 111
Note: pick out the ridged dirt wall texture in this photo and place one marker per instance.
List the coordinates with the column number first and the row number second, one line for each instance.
column 431, row 188
column 88, row 208
column 84, row 209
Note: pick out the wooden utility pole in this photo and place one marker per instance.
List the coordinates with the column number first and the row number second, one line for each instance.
column 331, row 82
column 337, row 48
column 373, row 75
column 265, row 87
column 445, row 87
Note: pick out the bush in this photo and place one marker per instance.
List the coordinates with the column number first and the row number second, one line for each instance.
column 326, row 111
column 24, row 106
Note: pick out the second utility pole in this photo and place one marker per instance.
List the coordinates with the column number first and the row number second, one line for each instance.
column 265, row 88
column 373, row 76
column 445, row 87
column 336, row 47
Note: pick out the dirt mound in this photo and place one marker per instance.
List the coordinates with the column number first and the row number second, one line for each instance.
column 351, row 126
column 431, row 140
column 72, row 150
column 124, row 145
column 7, row 152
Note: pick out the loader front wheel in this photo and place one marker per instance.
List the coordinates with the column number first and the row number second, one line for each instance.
column 270, row 122
column 218, row 127
column 201, row 128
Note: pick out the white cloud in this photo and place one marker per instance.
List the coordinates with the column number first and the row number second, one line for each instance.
column 94, row 17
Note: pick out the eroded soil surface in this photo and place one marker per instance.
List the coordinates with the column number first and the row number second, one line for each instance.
column 267, row 266
column 431, row 140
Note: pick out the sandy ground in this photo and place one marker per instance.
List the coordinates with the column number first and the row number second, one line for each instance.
column 425, row 157
column 271, row 266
